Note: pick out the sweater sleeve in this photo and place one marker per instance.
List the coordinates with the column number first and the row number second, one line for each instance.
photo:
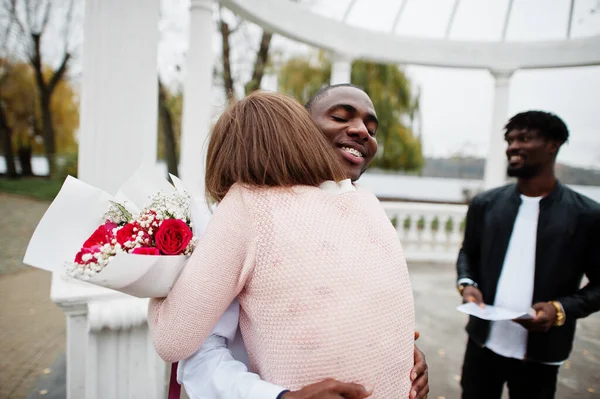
column 214, row 275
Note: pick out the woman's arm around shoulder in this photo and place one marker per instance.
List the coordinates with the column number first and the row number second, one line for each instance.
column 214, row 275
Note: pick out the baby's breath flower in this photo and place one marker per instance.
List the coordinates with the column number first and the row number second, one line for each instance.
column 161, row 207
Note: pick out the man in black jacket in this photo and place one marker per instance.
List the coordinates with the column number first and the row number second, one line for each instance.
column 527, row 245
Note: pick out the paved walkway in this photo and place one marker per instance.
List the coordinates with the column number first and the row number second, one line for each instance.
column 32, row 328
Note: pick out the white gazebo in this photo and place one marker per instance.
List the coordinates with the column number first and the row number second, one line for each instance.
column 109, row 354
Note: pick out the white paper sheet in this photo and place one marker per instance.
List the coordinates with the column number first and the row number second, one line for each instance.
column 493, row 313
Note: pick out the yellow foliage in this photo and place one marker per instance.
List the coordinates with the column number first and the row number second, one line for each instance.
column 174, row 103
column 19, row 95
column 301, row 77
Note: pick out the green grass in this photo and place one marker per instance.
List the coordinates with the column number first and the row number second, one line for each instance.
column 34, row 187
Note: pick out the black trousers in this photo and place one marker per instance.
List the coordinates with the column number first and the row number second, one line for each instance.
column 484, row 374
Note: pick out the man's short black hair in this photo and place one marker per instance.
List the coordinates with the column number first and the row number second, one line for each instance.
column 550, row 126
column 324, row 90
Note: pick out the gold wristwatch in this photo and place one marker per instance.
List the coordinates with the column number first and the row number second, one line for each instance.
column 560, row 314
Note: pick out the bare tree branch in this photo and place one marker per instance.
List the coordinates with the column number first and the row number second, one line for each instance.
column 45, row 19
column 15, row 16
column 225, row 47
column 28, row 15
column 261, row 62
column 35, row 57
column 16, row 32
column 239, row 23
column 5, row 39
column 68, row 26
column 60, row 72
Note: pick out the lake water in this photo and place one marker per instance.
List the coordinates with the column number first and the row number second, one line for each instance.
column 388, row 186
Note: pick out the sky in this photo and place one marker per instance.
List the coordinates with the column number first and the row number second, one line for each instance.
column 456, row 104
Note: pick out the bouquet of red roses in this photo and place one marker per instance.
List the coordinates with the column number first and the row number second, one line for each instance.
column 138, row 251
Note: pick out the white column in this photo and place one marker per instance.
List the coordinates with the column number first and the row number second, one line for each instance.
column 119, row 90
column 76, row 339
column 197, row 96
column 118, row 133
column 495, row 166
column 341, row 69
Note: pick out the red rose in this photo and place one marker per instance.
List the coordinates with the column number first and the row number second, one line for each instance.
column 126, row 233
column 83, row 251
column 172, row 237
column 146, row 251
column 102, row 235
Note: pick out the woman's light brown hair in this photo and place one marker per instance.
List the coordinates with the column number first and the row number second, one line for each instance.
column 267, row 140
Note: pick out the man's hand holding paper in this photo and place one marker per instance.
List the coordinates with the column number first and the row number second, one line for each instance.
column 493, row 313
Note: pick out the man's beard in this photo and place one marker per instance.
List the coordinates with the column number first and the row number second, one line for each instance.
column 524, row 172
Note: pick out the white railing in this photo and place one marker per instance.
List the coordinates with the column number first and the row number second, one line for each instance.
column 428, row 232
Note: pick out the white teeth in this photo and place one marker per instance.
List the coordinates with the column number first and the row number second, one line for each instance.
column 352, row 151
column 514, row 158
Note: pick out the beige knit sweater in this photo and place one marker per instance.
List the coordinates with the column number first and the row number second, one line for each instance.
column 322, row 283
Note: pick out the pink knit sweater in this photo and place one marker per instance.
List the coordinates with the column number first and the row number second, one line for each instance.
column 322, row 283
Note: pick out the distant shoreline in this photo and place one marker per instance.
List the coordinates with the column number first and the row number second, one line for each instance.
column 424, row 187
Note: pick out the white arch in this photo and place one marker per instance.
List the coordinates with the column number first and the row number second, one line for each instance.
column 296, row 22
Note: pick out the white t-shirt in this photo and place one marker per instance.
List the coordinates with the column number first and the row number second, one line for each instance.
column 515, row 286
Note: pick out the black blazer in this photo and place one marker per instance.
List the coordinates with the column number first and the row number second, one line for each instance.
column 568, row 246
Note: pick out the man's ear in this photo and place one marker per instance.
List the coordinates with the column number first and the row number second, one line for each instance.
column 554, row 146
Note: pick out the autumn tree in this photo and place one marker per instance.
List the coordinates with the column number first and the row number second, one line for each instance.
column 31, row 19
column 392, row 95
column 5, row 69
column 18, row 100
column 396, row 106
column 22, row 113
column 5, row 130
column 301, row 77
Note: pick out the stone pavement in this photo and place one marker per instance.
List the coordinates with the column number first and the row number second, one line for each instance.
column 52, row 385
column 32, row 328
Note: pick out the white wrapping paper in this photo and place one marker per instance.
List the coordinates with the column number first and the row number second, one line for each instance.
column 75, row 214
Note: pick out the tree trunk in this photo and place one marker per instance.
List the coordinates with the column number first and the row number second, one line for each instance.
column 261, row 62
column 168, row 132
column 24, row 154
column 9, row 158
column 227, row 78
column 48, row 131
column 45, row 90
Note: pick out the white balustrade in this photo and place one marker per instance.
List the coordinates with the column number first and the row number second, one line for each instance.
column 428, row 232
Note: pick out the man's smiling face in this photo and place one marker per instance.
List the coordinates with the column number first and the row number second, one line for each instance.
column 347, row 117
column 529, row 153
